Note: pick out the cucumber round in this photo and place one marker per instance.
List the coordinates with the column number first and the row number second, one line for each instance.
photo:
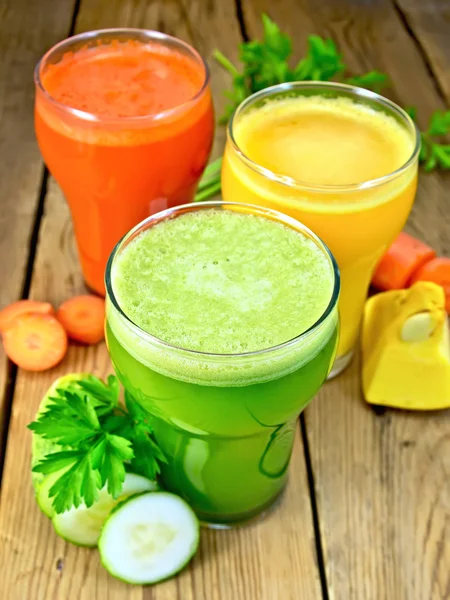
column 40, row 447
column 42, row 496
column 148, row 538
column 82, row 525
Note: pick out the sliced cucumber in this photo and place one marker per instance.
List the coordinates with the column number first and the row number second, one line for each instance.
column 82, row 525
column 41, row 447
column 149, row 538
column 42, row 496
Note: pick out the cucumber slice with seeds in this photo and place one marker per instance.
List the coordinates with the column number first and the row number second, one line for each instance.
column 148, row 538
column 82, row 525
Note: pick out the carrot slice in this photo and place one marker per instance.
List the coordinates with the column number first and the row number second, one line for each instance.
column 437, row 271
column 35, row 341
column 83, row 317
column 22, row 307
column 402, row 259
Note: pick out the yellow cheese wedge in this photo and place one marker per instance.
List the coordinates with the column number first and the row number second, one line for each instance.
column 406, row 349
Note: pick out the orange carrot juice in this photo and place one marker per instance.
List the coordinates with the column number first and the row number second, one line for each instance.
column 124, row 121
column 341, row 160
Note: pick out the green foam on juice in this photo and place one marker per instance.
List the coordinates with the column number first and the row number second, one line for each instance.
column 220, row 282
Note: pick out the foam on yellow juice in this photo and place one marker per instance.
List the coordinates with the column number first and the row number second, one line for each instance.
column 311, row 143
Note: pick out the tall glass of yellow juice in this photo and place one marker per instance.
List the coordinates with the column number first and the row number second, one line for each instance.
column 343, row 161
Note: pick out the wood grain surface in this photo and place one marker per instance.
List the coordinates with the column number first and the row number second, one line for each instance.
column 206, row 25
column 27, row 30
column 271, row 559
column 428, row 24
column 381, row 481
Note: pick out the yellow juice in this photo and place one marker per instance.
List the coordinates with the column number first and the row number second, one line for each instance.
column 330, row 162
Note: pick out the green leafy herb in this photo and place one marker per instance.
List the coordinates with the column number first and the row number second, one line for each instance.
column 433, row 152
column 412, row 112
column 99, row 440
column 322, row 61
column 105, row 396
column 374, row 80
column 134, row 426
column 267, row 62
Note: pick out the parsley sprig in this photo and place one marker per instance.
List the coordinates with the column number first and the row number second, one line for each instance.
column 268, row 62
column 434, row 152
column 97, row 439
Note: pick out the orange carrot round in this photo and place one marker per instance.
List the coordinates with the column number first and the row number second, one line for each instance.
column 35, row 341
column 437, row 271
column 22, row 307
column 403, row 258
column 83, row 318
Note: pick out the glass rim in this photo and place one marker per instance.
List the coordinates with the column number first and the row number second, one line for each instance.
column 221, row 204
column 302, row 185
column 151, row 35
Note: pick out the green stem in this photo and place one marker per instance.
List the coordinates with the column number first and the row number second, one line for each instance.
column 210, row 174
column 225, row 63
column 427, row 144
column 206, row 193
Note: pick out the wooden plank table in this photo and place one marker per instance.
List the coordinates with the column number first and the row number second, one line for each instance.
column 367, row 512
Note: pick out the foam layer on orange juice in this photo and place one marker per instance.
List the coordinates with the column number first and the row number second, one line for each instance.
column 126, row 79
column 122, row 80
column 323, row 141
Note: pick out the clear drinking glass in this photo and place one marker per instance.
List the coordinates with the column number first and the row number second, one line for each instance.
column 121, row 150
column 357, row 221
column 228, row 445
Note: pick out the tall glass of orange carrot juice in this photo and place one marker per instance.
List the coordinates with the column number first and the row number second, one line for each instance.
column 340, row 159
column 124, row 121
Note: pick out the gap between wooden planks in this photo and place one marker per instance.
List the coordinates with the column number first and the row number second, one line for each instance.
column 382, row 482
column 428, row 24
column 26, row 31
column 272, row 559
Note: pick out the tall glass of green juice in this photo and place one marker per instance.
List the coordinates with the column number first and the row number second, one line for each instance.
column 222, row 323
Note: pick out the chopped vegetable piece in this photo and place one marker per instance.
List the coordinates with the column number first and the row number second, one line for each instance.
column 149, row 538
column 40, row 445
column 438, row 271
column 35, row 341
column 399, row 263
column 82, row 434
column 45, row 502
column 83, row 318
column 82, row 525
column 23, row 307
column 406, row 350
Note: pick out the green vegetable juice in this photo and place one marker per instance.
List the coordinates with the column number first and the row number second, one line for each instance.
column 222, row 323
